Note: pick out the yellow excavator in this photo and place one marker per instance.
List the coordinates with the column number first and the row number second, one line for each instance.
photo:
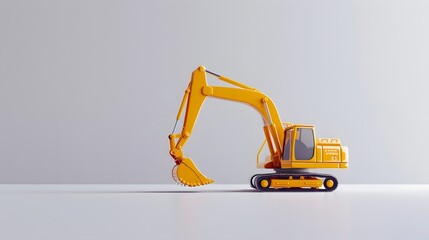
column 293, row 148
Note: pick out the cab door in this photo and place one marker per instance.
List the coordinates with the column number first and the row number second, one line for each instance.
column 304, row 145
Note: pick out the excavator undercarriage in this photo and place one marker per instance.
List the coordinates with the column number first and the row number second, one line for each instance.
column 294, row 182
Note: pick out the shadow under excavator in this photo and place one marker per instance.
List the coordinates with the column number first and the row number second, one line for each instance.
column 112, row 188
column 201, row 191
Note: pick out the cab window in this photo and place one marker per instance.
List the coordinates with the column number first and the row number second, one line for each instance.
column 287, row 143
column 304, row 144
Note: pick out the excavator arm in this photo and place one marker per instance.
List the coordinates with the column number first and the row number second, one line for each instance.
column 185, row 172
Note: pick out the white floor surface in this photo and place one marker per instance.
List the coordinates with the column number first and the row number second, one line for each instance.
column 62, row 212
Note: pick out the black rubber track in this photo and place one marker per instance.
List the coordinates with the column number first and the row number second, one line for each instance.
column 256, row 177
column 251, row 181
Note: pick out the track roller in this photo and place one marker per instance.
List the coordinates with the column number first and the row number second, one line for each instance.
column 330, row 184
column 263, row 183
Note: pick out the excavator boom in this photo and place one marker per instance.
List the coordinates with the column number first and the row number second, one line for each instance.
column 185, row 172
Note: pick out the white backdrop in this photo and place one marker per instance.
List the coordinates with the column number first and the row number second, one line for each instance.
column 89, row 90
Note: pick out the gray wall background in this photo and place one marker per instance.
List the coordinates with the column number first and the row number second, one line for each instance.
column 89, row 90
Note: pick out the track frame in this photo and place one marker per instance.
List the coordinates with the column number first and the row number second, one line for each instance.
column 296, row 182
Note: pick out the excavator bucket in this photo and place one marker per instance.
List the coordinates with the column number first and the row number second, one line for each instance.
column 187, row 173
